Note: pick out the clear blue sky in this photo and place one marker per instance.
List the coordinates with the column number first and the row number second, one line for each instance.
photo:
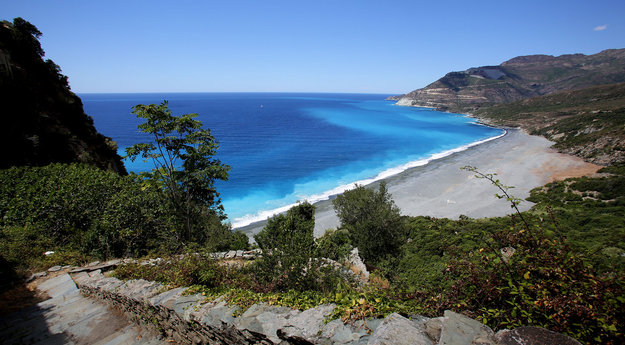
column 304, row 46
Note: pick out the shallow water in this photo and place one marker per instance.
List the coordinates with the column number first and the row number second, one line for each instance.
column 288, row 147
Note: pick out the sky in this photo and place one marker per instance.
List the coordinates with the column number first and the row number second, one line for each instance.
column 359, row 46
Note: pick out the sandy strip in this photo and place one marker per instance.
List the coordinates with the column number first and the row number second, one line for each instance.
column 442, row 189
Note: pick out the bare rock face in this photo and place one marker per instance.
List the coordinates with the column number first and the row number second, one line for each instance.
column 533, row 336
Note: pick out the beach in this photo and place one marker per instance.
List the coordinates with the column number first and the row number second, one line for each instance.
column 441, row 189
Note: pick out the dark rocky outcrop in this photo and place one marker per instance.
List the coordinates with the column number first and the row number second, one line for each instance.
column 43, row 121
column 516, row 79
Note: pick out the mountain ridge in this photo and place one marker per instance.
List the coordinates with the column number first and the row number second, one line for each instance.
column 516, row 79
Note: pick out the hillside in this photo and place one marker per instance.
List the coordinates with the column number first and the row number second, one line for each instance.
column 43, row 121
column 589, row 123
column 516, row 79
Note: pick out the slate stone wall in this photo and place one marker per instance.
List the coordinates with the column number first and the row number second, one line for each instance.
column 189, row 319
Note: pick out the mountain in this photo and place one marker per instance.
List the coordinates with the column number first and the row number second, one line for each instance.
column 589, row 123
column 516, row 79
column 42, row 120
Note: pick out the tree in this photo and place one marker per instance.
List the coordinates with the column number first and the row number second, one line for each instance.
column 288, row 246
column 185, row 167
column 373, row 220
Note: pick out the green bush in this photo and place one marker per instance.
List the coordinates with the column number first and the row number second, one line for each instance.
column 288, row 247
column 373, row 221
column 334, row 244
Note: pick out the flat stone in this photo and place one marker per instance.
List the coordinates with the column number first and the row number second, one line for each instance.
column 396, row 329
column 533, row 336
column 433, row 328
column 140, row 289
column 458, row 329
column 166, row 298
column 182, row 304
column 59, row 286
column 35, row 276
column 264, row 319
column 306, row 325
column 219, row 315
column 54, row 269
column 239, row 253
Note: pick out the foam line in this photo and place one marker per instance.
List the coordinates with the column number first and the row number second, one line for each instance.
column 262, row 215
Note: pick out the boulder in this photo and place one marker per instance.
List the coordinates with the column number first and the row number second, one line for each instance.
column 458, row 329
column 307, row 325
column 396, row 329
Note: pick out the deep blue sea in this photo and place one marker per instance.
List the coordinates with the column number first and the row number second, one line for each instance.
column 285, row 147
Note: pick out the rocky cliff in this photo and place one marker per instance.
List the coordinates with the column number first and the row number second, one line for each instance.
column 42, row 120
column 516, row 79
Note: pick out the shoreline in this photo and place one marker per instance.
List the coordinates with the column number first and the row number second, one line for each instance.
column 245, row 221
column 440, row 189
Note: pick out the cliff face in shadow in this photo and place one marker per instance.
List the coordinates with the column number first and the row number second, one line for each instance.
column 42, row 120
column 517, row 79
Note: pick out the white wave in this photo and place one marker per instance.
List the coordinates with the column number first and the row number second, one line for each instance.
column 263, row 215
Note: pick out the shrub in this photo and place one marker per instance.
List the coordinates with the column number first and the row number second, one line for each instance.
column 288, row 246
column 334, row 244
column 81, row 208
column 373, row 220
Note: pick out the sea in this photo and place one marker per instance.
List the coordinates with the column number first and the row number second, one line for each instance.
column 284, row 148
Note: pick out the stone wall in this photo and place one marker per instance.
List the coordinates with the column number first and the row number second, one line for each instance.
column 189, row 319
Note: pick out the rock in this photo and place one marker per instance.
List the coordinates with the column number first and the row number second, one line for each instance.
column 218, row 314
column 433, row 328
column 338, row 333
column 230, row 255
column 94, row 263
column 533, row 336
column 356, row 264
column 54, row 269
column 35, row 276
column 239, row 253
column 458, row 329
column 396, row 329
column 307, row 325
column 265, row 319
column 167, row 298
column 506, row 253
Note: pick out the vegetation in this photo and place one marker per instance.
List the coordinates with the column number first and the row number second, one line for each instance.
column 185, row 169
column 544, row 267
column 372, row 220
column 589, row 123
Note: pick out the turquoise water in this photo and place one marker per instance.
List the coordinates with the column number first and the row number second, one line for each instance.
column 285, row 148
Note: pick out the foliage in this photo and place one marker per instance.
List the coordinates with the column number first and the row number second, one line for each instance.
column 543, row 284
column 334, row 244
column 288, row 246
column 185, row 167
column 373, row 221
column 78, row 207
column 588, row 122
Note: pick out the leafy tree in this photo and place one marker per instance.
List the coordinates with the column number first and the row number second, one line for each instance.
column 185, row 167
column 288, row 245
column 373, row 220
